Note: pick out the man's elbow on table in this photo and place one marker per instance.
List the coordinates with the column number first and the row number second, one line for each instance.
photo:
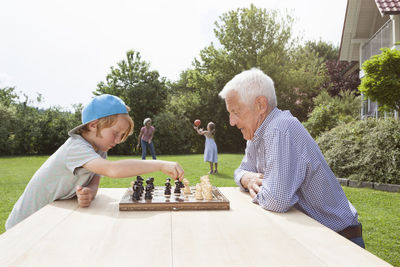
column 276, row 203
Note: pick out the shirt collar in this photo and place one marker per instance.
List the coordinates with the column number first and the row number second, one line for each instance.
column 261, row 130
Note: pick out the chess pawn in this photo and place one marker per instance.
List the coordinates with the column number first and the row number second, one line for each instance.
column 152, row 183
column 148, row 192
column 207, row 191
column 186, row 190
column 167, row 189
column 177, row 187
column 149, row 183
column 136, row 192
column 198, row 194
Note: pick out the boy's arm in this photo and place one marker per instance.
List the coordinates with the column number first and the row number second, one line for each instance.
column 132, row 167
column 86, row 194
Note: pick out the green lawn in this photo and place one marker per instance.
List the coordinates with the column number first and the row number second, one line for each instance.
column 379, row 211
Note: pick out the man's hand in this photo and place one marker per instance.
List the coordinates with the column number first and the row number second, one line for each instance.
column 172, row 169
column 85, row 196
column 252, row 181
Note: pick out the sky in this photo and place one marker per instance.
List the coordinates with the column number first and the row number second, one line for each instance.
column 63, row 49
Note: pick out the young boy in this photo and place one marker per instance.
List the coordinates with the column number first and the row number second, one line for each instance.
column 77, row 166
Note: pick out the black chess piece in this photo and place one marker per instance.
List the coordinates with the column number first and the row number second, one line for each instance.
column 140, row 186
column 136, row 192
column 167, row 190
column 177, row 187
column 150, row 183
column 148, row 192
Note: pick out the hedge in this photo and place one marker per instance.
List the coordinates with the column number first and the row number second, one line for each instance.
column 365, row 150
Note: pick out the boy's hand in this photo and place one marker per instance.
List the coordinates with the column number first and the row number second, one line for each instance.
column 172, row 169
column 85, row 196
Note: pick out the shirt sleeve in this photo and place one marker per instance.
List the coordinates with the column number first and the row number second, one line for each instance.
column 284, row 173
column 79, row 153
column 247, row 165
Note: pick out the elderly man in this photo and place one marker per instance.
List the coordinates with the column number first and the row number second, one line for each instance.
column 283, row 166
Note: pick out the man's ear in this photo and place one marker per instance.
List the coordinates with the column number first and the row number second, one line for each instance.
column 261, row 104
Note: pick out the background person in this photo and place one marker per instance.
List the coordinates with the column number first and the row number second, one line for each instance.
column 283, row 165
column 145, row 138
column 210, row 147
column 76, row 167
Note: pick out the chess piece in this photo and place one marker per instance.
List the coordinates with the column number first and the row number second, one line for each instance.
column 152, row 183
column 167, row 190
column 139, row 182
column 149, row 182
column 198, row 194
column 186, row 189
column 148, row 192
column 207, row 191
column 136, row 192
column 178, row 186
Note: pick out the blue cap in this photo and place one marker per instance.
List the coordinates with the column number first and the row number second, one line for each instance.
column 99, row 107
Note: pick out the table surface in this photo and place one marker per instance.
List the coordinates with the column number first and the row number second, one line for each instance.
column 62, row 234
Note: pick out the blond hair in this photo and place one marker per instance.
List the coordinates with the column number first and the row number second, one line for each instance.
column 109, row 121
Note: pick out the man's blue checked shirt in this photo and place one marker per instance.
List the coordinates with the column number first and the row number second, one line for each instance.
column 295, row 173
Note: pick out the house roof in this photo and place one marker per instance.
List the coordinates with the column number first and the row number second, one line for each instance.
column 362, row 21
column 388, row 7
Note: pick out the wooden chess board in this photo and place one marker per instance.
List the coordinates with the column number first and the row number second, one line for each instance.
column 180, row 201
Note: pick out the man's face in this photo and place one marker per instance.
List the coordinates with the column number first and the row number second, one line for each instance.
column 241, row 115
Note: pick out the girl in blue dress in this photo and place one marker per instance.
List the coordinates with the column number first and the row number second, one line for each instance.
column 210, row 149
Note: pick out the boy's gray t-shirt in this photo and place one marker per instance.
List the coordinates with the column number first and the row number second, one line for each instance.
column 57, row 178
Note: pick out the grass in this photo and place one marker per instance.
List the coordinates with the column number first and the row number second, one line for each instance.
column 378, row 211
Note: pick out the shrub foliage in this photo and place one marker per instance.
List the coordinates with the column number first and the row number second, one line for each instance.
column 367, row 150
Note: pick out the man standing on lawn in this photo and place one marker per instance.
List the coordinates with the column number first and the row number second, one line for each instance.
column 283, row 165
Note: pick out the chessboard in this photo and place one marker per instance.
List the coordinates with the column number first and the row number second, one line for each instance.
column 175, row 201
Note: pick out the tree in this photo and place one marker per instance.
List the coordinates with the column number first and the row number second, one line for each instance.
column 381, row 82
column 249, row 37
column 143, row 90
column 8, row 96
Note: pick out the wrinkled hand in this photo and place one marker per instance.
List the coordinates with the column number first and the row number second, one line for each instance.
column 173, row 169
column 85, row 196
column 252, row 182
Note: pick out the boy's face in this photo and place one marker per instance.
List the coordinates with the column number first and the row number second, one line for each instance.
column 112, row 136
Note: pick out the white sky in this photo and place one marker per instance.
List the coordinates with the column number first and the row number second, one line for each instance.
column 63, row 49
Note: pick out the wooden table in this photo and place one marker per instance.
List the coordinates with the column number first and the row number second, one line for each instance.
column 61, row 234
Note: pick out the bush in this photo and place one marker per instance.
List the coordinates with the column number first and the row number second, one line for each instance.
column 367, row 150
column 332, row 111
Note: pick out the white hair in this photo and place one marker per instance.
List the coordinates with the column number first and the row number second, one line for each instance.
column 249, row 84
column 146, row 120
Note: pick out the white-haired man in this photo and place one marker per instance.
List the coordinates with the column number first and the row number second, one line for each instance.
column 283, row 165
